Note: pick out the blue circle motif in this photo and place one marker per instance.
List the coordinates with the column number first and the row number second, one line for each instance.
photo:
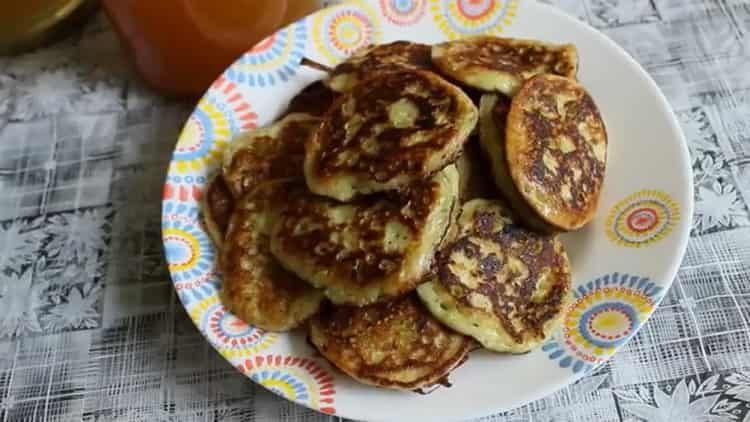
column 577, row 357
column 624, row 308
column 176, row 251
column 301, row 390
column 403, row 6
column 193, row 281
column 274, row 64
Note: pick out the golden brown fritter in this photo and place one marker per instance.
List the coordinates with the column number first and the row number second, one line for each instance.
column 394, row 344
column 315, row 99
column 368, row 250
column 493, row 116
column 217, row 207
column 502, row 64
column 255, row 287
column 557, row 150
column 397, row 129
column 378, row 59
column 272, row 152
column 498, row 282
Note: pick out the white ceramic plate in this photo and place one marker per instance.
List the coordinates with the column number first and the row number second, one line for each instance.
column 623, row 262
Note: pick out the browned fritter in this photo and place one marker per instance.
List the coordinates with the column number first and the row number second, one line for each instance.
column 493, row 271
column 255, row 287
column 394, row 130
column 557, row 150
column 218, row 204
column 370, row 249
column 502, row 64
column 268, row 153
column 498, row 282
column 493, row 117
column 395, row 344
column 381, row 58
column 315, row 99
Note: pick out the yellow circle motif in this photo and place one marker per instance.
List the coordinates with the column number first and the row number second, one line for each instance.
column 299, row 379
column 203, row 138
column 604, row 314
column 605, row 328
column 642, row 218
column 231, row 337
column 340, row 31
column 283, row 388
column 185, row 249
column 459, row 18
column 220, row 114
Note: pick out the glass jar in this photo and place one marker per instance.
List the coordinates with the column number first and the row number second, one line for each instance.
column 180, row 46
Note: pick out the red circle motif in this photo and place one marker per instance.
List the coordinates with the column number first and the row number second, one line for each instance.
column 464, row 6
column 642, row 220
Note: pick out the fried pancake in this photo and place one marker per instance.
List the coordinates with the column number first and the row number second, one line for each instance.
column 377, row 59
column 217, row 207
column 496, row 64
column 397, row 129
column 557, row 150
column 394, row 344
column 368, row 250
column 493, row 116
column 499, row 283
column 272, row 152
column 255, row 287
column 314, row 99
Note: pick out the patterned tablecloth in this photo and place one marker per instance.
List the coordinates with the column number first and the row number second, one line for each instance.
column 91, row 329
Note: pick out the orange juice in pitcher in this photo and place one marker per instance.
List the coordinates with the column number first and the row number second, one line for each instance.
column 180, row 46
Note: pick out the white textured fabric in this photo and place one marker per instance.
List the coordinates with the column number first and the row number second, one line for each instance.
column 90, row 328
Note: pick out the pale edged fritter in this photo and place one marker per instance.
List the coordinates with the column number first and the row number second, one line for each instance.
column 374, row 248
column 217, row 206
column 272, row 152
column 501, row 65
column 315, row 99
column 499, row 283
column 493, row 116
column 556, row 145
column 376, row 59
column 255, row 287
column 394, row 130
column 395, row 344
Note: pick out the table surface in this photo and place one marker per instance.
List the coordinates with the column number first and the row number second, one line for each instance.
column 91, row 329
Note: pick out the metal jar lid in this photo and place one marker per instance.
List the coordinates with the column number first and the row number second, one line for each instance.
column 44, row 25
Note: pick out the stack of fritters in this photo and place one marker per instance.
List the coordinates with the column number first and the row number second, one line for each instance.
column 445, row 170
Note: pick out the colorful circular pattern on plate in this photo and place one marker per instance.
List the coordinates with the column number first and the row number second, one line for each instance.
column 220, row 114
column 604, row 314
column 231, row 336
column 403, row 12
column 274, row 60
column 340, row 31
column 642, row 218
column 298, row 379
column 458, row 18
column 188, row 250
